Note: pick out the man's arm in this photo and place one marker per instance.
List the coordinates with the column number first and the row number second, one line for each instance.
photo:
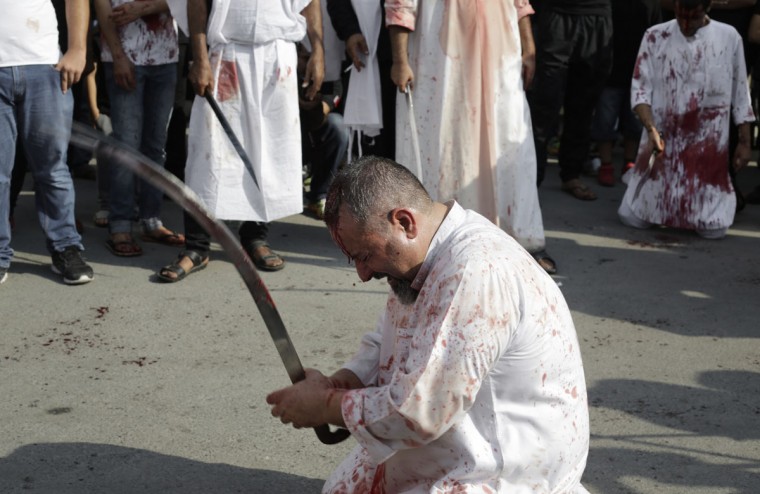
column 754, row 29
column 743, row 150
column 343, row 18
column 346, row 25
column 123, row 68
column 131, row 11
column 528, row 51
column 200, row 75
column 315, row 67
column 644, row 112
column 71, row 65
column 401, row 72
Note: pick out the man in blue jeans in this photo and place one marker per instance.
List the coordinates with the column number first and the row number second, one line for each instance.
column 36, row 106
column 139, row 55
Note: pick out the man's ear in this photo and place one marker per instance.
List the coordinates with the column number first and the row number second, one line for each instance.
column 405, row 219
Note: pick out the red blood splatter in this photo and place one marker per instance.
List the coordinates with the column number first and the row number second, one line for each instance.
column 228, row 84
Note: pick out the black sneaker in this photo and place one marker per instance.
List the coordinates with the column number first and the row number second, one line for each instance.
column 70, row 265
column 3, row 274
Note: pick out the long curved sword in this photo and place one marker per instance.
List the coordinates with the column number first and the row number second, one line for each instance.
column 110, row 150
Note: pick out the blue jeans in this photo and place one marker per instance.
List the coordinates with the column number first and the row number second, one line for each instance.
column 140, row 119
column 613, row 115
column 33, row 109
column 329, row 146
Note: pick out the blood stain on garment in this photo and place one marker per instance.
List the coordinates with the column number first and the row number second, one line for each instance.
column 228, row 84
column 637, row 68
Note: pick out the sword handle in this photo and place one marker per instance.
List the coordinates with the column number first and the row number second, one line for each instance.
column 329, row 437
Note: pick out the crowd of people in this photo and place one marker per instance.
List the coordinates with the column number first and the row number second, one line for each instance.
column 469, row 98
column 554, row 78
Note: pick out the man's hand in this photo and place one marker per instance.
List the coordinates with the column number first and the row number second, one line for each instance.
column 306, row 403
column 124, row 72
column 402, row 76
column 128, row 12
column 658, row 145
column 356, row 48
column 200, row 76
column 71, row 66
column 315, row 73
column 742, row 154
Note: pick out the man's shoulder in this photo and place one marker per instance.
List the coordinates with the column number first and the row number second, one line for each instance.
column 661, row 31
column 725, row 29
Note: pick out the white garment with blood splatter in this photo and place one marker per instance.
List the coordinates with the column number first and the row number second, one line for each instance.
column 473, row 120
column 147, row 41
column 256, row 86
column 694, row 86
column 478, row 386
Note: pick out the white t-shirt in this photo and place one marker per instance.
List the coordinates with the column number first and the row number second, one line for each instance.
column 147, row 41
column 28, row 33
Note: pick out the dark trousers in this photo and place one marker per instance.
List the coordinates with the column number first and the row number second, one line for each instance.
column 198, row 240
column 573, row 61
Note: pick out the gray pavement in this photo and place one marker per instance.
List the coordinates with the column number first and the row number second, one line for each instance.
column 126, row 385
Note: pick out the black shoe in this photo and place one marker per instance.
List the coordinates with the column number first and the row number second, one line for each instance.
column 70, row 265
column 3, row 275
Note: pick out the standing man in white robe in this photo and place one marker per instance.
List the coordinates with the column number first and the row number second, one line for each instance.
column 473, row 379
column 689, row 80
column 245, row 54
column 468, row 65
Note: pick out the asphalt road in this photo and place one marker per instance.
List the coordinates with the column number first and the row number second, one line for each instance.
column 126, row 385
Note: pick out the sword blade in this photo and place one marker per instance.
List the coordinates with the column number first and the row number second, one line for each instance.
column 414, row 135
column 231, row 135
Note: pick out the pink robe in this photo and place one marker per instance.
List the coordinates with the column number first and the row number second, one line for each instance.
column 475, row 133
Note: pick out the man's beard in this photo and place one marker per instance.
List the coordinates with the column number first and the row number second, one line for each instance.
column 402, row 288
column 404, row 291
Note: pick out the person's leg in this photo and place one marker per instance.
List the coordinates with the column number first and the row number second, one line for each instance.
column 330, row 145
column 195, row 256
column 604, row 131
column 716, row 234
column 17, row 178
column 545, row 97
column 629, row 219
column 8, row 135
column 253, row 237
column 158, row 100
column 44, row 129
column 44, row 120
column 126, row 121
column 587, row 74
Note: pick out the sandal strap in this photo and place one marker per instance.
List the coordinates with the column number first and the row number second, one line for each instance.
column 193, row 256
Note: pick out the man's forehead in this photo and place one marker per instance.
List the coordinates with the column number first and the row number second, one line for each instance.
column 696, row 11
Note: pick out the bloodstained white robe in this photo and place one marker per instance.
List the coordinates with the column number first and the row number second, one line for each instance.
column 693, row 85
column 253, row 56
column 476, row 387
column 475, row 133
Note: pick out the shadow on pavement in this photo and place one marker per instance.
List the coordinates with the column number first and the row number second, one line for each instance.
column 69, row 468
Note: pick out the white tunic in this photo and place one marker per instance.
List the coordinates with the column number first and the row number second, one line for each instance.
column 478, row 386
column 693, row 85
column 473, row 120
column 253, row 57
